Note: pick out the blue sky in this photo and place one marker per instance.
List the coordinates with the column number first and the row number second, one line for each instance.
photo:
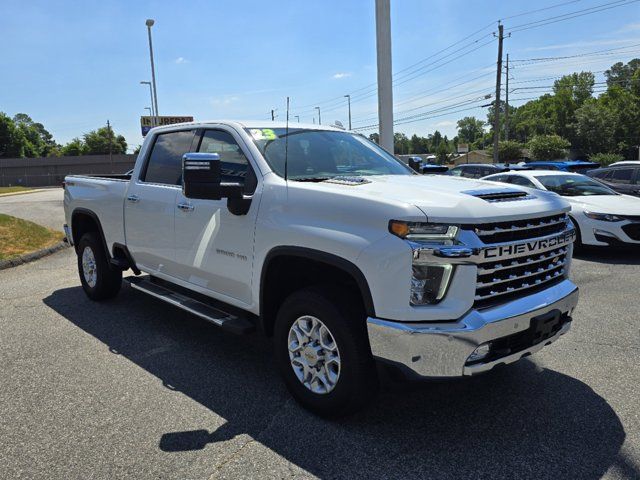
column 72, row 65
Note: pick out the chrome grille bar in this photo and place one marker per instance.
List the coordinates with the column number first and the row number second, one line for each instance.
column 521, row 261
column 494, row 293
column 516, row 228
column 512, row 278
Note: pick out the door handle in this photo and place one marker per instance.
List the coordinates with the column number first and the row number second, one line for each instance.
column 185, row 207
column 133, row 198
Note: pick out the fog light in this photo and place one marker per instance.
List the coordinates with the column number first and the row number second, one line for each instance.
column 480, row 353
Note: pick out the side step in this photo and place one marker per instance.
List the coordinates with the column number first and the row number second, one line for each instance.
column 227, row 321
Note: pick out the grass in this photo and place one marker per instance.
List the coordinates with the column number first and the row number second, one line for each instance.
column 19, row 236
column 14, row 189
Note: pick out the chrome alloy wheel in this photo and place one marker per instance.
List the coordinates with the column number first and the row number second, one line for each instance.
column 314, row 354
column 89, row 267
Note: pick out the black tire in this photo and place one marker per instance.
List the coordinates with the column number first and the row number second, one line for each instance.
column 108, row 279
column 357, row 382
column 577, row 245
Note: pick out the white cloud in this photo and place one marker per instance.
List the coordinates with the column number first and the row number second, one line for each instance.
column 181, row 60
column 630, row 27
column 446, row 123
column 340, row 75
column 224, row 101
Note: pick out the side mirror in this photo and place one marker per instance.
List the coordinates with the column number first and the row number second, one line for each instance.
column 201, row 178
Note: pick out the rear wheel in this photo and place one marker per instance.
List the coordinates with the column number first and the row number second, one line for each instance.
column 322, row 352
column 99, row 279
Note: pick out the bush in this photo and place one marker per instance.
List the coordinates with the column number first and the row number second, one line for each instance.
column 508, row 151
column 548, row 147
column 605, row 159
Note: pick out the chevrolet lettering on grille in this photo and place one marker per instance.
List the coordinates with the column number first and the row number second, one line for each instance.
column 529, row 247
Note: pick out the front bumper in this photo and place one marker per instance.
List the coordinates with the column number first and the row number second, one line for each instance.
column 441, row 349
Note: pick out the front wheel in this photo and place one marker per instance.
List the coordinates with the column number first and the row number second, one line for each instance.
column 322, row 352
column 99, row 279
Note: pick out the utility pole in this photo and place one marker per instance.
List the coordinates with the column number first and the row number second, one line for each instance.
column 110, row 153
column 273, row 115
column 348, row 97
column 319, row 117
column 149, row 23
column 385, row 85
column 298, row 118
column 496, row 112
column 506, row 108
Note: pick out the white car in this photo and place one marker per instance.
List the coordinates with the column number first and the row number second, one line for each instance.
column 601, row 216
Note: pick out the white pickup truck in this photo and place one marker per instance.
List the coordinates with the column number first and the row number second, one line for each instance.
column 329, row 244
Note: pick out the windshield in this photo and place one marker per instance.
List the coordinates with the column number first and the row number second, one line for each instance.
column 573, row 185
column 323, row 154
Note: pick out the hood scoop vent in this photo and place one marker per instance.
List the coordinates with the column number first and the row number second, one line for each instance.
column 500, row 195
column 348, row 180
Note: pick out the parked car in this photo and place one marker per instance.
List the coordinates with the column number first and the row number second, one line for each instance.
column 322, row 240
column 563, row 165
column 479, row 170
column 633, row 163
column 623, row 177
column 601, row 215
column 424, row 167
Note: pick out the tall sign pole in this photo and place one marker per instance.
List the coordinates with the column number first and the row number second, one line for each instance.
column 506, row 101
column 149, row 24
column 496, row 124
column 385, row 86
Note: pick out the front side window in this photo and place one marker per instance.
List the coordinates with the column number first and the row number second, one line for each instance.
column 233, row 163
column 621, row 175
column 574, row 185
column 456, row 172
column 165, row 160
column 322, row 154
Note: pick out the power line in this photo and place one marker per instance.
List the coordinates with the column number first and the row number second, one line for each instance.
column 571, row 15
column 540, row 9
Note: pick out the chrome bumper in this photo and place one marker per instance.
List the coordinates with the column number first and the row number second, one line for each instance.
column 441, row 349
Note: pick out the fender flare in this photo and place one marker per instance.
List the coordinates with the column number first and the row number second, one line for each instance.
column 94, row 217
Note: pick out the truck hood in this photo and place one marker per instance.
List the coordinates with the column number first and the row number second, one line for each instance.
column 446, row 198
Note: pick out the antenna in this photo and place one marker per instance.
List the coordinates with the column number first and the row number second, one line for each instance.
column 286, row 142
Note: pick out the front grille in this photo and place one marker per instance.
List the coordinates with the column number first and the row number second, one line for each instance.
column 500, row 232
column 632, row 230
column 500, row 282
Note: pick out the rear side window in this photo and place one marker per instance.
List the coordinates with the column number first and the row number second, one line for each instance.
column 165, row 161
column 522, row 181
column 233, row 163
column 621, row 175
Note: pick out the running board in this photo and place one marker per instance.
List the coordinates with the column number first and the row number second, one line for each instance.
column 227, row 321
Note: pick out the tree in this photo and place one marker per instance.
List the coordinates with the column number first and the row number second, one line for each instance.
column 12, row 141
column 375, row 137
column 548, row 147
column 508, row 151
column 442, row 153
column 470, row 129
column 98, row 142
column 74, row 148
column 418, row 144
column 595, row 128
column 621, row 74
column 39, row 142
column 605, row 159
column 400, row 143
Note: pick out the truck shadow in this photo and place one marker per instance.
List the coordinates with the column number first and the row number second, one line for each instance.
column 519, row 422
column 611, row 255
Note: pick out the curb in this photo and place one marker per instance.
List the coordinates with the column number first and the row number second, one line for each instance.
column 25, row 192
column 30, row 257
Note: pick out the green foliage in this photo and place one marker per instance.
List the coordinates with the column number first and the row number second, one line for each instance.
column 622, row 75
column 74, row 148
column 12, row 141
column 470, row 129
column 548, row 147
column 508, row 151
column 102, row 141
column 594, row 125
column 605, row 159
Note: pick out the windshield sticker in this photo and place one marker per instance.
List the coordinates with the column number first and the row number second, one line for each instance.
column 263, row 134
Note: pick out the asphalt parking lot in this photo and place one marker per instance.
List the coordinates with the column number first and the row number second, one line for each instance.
column 131, row 388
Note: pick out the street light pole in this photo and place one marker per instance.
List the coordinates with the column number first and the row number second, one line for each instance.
column 319, row 117
column 149, row 24
column 298, row 118
column 348, row 97
column 153, row 114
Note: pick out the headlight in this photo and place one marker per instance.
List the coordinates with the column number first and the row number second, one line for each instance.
column 429, row 283
column 435, row 232
column 605, row 217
